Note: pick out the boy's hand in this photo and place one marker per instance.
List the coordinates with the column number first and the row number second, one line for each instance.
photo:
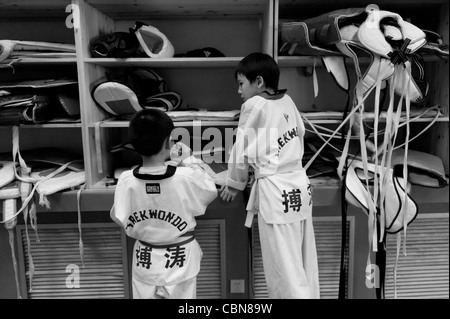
column 228, row 194
column 179, row 152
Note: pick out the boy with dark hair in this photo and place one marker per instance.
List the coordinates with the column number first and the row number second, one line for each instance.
column 269, row 145
column 157, row 204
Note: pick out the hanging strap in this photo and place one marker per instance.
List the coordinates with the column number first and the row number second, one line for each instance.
column 343, row 267
column 404, row 207
column 25, row 190
column 98, row 147
column 80, row 241
column 36, row 182
column 33, row 219
column 380, row 261
column 315, row 81
column 9, row 207
column 397, row 254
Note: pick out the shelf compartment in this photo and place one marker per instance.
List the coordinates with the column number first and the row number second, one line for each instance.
column 123, row 10
column 227, row 62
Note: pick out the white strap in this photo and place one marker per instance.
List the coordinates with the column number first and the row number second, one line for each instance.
column 383, row 150
column 397, row 254
column 421, row 132
column 315, row 81
column 16, row 272
column 349, row 116
column 9, row 208
column 23, row 165
column 320, row 135
column 33, row 219
column 249, row 219
column 28, row 199
column 98, row 147
column 16, row 152
column 80, row 242
column 377, row 170
column 407, row 80
column 25, row 190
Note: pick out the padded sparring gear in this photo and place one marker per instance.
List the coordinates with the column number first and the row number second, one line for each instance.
column 154, row 43
column 6, row 172
column 7, row 47
column 116, row 98
column 115, row 45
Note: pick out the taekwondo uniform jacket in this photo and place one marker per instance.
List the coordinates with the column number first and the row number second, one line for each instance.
column 269, row 141
column 158, row 208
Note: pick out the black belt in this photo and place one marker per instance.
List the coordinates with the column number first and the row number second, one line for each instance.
column 191, row 238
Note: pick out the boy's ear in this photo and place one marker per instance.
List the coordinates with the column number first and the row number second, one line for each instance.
column 167, row 143
column 260, row 81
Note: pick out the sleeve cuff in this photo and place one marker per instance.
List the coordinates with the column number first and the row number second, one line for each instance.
column 238, row 185
column 189, row 161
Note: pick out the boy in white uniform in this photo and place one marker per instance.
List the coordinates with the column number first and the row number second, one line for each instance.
column 269, row 144
column 157, row 204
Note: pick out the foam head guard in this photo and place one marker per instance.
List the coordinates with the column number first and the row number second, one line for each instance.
column 154, row 43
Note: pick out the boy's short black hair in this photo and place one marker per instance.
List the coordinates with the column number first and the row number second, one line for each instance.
column 259, row 64
column 148, row 130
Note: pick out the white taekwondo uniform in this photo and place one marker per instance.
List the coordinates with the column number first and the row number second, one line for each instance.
column 157, row 206
column 269, row 142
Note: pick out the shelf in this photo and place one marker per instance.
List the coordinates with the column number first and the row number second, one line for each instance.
column 304, row 61
column 381, row 120
column 116, row 124
column 105, row 184
column 360, row 3
column 52, row 125
column 124, row 124
column 100, row 198
column 46, row 125
column 42, row 61
column 227, row 62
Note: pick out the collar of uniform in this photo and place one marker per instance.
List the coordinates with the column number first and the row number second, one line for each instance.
column 275, row 96
column 169, row 173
